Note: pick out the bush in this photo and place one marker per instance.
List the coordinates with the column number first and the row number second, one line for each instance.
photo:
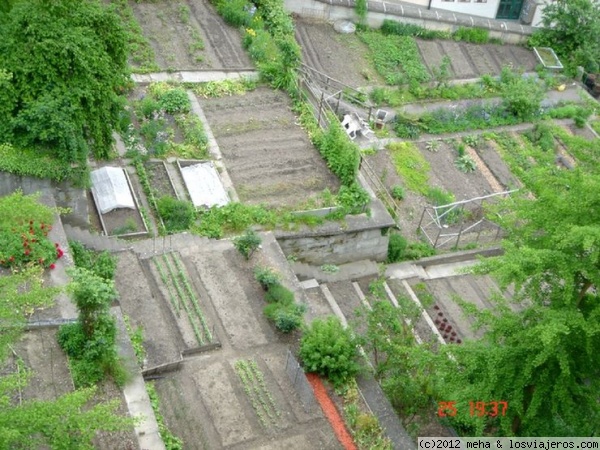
column 175, row 101
column 474, row 35
column 341, row 154
column 102, row 264
column 418, row 250
column 330, row 350
column 521, row 96
column 177, row 215
column 266, row 276
column 235, row 12
column 408, row 29
column 279, row 294
column 287, row 317
column 398, row 192
column 396, row 247
column 542, row 136
column 34, row 163
column 247, row 243
column 353, row 198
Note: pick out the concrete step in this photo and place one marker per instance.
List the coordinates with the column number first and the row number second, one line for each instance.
column 350, row 271
column 94, row 241
column 317, row 305
column 349, row 302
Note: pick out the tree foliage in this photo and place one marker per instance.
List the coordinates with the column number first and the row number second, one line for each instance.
column 543, row 360
column 64, row 66
column 572, row 29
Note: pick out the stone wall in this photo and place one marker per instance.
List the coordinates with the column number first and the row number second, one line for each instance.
column 337, row 248
column 331, row 10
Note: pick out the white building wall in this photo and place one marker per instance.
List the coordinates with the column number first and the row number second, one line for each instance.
column 487, row 9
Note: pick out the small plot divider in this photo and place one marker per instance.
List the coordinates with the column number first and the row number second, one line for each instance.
column 259, row 395
column 182, row 295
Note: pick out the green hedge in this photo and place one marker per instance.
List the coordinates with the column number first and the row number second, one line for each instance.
column 25, row 162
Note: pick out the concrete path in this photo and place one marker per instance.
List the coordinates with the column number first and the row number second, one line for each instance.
column 135, row 392
column 200, row 76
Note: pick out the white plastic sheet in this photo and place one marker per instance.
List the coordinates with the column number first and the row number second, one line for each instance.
column 111, row 190
column 204, row 185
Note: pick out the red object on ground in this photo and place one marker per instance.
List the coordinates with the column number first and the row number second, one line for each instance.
column 331, row 412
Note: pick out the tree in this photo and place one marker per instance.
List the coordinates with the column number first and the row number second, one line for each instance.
column 543, row 360
column 572, row 29
column 63, row 69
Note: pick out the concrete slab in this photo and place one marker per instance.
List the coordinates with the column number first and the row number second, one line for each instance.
column 135, row 393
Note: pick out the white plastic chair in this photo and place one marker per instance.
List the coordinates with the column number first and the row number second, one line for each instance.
column 350, row 126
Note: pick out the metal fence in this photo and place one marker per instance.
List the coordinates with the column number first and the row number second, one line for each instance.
column 300, row 383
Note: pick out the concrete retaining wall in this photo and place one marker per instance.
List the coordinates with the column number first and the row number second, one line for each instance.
column 332, row 10
column 338, row 248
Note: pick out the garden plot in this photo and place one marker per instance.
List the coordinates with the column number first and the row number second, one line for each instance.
column 183, row 300
column 188, row 35
column 158, row 176
column 50, row 378
column 341, row 56
column 268, row 156
column 238, row 396
column 346, row 58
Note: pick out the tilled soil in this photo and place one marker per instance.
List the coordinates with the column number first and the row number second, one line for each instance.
column 268, row 155
column 189, row 34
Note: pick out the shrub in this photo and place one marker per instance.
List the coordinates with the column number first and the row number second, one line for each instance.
column 175, row 101
column 418, row 250
column 247, row 243
column 177, row 215
column 102, row 264
column 34, row 163
column 398, row 192
column 287, row 317
column 341, row 154
column 353, row 198
column 542, row 136
column 147, row 107
column 521, row 96
column 330, row 350
column 266, row 276
column 474, row 35
column 408, row 29
column 235, row 12
column 396, row 247
column 278, row 293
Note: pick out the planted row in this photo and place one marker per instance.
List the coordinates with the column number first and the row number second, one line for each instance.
column 182, row 295
column 259, row 395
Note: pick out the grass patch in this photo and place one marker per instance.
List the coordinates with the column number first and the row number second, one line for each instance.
column 411, row 166
column 396, row 58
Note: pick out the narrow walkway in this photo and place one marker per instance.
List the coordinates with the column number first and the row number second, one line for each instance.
column 199, row 76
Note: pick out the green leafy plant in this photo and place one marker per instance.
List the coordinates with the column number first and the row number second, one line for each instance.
column 24, row 229
column 90, row 342
column 171, row 441
column 409, row 29
column 354, row 199
column 102, row 264
column 178, row 215
column 474, row 35
column 433, row 146
column 287, row 317
column 398, row 192
column 174, row 101
column 465, row 164
column 329, row 349
column 396, row 248
column 247, row 243
column 267, row 277
column 278, row 293
column 521, row 96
